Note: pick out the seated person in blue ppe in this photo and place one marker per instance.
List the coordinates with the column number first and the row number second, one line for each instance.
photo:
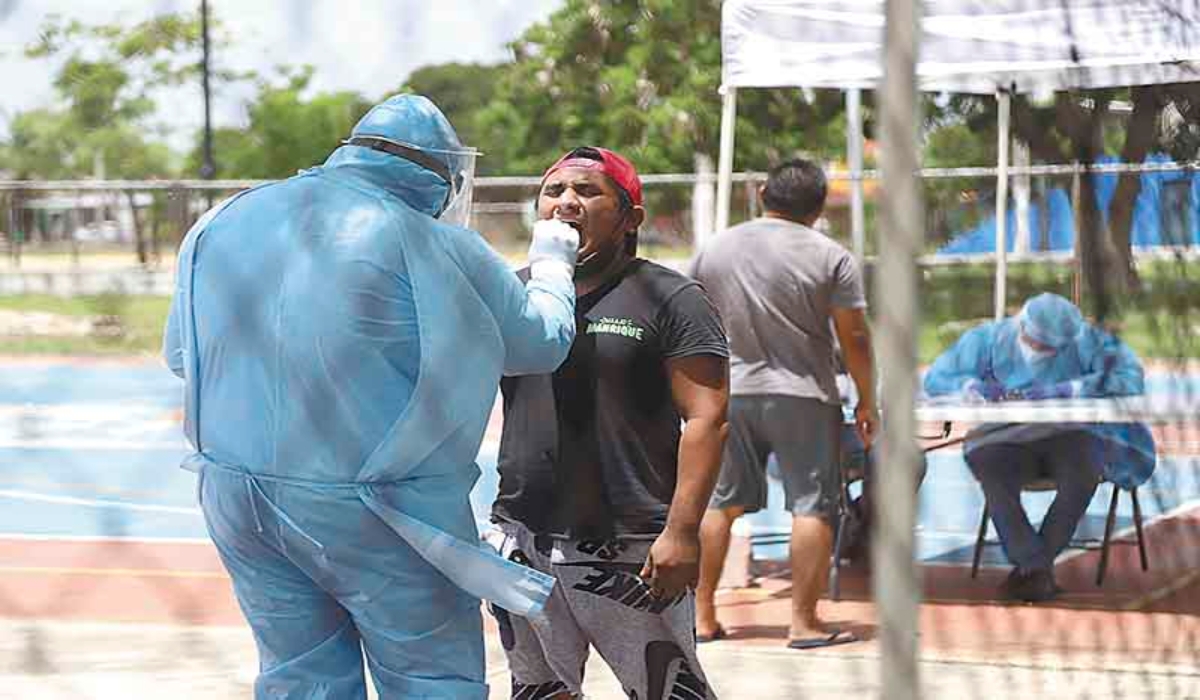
column 1047, row 351
column 342, row 337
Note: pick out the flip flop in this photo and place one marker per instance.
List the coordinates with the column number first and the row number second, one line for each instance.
column 834, row 638
column 717, row 634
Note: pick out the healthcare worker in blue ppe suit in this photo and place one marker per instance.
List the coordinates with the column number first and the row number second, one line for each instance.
column 1048, row 351
column 342, row 337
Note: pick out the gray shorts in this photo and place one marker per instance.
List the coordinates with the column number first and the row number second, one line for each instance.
column 804, row 436
column 598, row 601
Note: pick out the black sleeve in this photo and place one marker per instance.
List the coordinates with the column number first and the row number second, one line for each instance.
column 689, row 324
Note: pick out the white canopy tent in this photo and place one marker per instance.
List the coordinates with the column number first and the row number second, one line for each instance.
column 998, row 47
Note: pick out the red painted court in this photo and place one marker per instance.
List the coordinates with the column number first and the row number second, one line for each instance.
column 1136, row 617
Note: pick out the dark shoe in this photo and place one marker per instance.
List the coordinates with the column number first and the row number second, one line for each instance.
column 1008, row 589
column 1036, row 586
column 718, row 634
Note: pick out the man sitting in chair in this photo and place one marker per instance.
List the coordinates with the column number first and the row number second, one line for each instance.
column 1047, row 351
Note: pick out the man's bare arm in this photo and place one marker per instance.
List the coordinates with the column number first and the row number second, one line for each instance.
column 700, row 388
column 854, row 335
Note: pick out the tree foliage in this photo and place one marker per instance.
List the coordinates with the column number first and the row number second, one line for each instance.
column 287, row 129
column 1084, row 126
column 462, row 91
column 105, row 82
column 641, row 76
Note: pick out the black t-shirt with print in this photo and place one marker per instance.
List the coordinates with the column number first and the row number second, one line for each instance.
column 591, row 451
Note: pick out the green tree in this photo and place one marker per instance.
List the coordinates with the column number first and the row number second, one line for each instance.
column 952, row 139
column 103, row 124
column 1082, row 126
column 43, row 143
column 642, row 76
column 106, row 83
column 462, row 91
column 287, row 131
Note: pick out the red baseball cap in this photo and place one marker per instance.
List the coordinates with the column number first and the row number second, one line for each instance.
column 614, row 165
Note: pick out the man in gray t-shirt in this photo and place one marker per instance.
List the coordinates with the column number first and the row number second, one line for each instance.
column 785, row 291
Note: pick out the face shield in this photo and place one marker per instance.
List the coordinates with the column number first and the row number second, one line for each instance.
column 457, row 210
column 455, row 167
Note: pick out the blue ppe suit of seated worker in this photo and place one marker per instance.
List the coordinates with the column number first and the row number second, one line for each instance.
column 1047, row 351
column 342, row 349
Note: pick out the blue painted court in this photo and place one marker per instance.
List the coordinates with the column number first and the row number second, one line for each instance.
column 92, row 450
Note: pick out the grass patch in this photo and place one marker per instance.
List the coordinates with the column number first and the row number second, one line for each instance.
column 135, row 325
column 1161, row 321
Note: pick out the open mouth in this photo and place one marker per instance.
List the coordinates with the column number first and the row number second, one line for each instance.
column 572, row 223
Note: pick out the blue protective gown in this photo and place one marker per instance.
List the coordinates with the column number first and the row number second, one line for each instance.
column 1095, row 362
column 342, row 351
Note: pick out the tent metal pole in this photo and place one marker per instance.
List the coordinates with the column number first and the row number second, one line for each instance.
column 1076, row 257
column 854, row 156
column 895, row 576
column 725, row 164
column 1003, row 128
column 1022, row 184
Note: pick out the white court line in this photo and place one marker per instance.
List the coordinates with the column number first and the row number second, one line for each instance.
column 96, row 503
column 83, row 409
column 100, row 539
column 95, row 444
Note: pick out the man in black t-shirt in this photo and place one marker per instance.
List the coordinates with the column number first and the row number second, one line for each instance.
column 599, row 486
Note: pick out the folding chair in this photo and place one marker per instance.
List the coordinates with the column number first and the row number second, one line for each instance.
column 1109, row 524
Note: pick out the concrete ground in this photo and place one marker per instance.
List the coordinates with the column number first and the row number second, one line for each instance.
column 136, row 624
column 103, row 661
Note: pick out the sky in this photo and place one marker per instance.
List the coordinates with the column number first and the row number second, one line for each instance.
column 363, row 45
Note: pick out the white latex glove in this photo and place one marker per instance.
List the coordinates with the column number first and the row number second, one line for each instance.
column 553, row 250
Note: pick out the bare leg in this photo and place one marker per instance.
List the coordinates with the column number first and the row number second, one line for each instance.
column 811, row 547
column 714, row 545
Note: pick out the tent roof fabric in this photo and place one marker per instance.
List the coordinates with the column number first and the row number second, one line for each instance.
column 967, row 46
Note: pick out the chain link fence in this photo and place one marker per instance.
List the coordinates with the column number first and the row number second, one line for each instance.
column 109, row 587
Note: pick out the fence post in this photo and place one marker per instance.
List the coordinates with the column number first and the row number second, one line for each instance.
column 177, row 206
column 703, row 200
column 854, row 156
column 1003, row 140
column 71, row 230
column 894, row 571
column 725, row 162
column 14, row 223
column 7, row 239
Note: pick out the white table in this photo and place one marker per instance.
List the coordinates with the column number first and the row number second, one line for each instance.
column 1180, row 407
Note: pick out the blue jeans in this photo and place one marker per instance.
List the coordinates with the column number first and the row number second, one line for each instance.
column 1072, row 460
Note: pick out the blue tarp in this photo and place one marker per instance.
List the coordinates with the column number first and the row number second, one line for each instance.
column 1053, row 217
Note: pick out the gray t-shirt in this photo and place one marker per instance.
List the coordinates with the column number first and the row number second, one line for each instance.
column 776, row 284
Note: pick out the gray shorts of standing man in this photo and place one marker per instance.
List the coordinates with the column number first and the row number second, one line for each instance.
column 802, row 433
